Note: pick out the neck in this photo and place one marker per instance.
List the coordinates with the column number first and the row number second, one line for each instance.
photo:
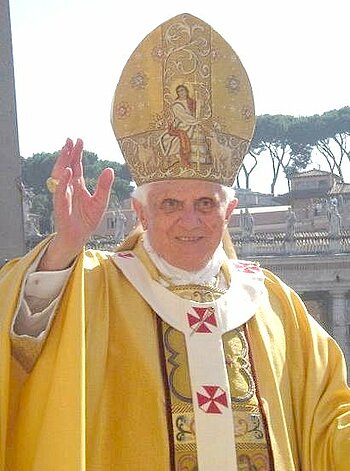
column 179, row 276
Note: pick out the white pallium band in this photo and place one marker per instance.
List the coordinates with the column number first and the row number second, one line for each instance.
column 203, row 325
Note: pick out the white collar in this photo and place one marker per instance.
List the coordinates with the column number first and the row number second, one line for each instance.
column 178, row 276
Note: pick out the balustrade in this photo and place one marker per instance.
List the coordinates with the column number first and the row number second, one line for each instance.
column 299, row 244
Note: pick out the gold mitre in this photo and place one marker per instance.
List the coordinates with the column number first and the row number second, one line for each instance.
column 183, row 107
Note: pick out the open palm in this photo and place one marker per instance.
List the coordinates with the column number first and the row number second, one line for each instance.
column 77, row 212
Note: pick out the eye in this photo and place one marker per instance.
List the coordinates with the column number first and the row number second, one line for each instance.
column 205, row 204
column 170, row 204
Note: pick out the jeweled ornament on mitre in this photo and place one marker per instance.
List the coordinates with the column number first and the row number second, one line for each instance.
column 183, row 107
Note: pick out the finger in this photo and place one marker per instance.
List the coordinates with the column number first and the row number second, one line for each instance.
column 103, row 187
column 62, row 198
column 76, row 159
column 63, row 160
column 60, row 194
column 64, row 181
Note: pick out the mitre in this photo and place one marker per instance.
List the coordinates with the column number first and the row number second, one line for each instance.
column 183, row 107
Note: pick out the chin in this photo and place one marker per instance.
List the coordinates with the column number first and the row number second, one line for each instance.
column 189, row 265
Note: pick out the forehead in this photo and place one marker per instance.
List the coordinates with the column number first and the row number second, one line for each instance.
column 185, row 190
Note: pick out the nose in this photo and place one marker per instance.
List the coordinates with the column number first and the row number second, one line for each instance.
column 189, row 218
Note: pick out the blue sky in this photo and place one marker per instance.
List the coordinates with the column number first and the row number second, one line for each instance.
column 69, row 53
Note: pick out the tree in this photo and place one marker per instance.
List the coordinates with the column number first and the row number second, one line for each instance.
column 247, row 169
column 36, row 170
column 277, row 136
column 290, row 141
column 331, row 138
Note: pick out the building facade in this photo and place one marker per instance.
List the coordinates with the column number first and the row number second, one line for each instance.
column 312, row 254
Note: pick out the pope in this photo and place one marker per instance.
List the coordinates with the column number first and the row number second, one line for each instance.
column 168, row 353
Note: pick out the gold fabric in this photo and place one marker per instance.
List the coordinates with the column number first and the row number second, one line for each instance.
column 183, row 107
column 252, row 445
column 42, row 414
column 99, row 378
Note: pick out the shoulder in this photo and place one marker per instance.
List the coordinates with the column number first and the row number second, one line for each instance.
column 247, row 273
column 246, row 266
column 275, row 287
column 98, row 266
column 94, row 258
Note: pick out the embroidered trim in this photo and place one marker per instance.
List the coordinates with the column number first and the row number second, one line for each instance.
column 261, row 406
column 251, row 433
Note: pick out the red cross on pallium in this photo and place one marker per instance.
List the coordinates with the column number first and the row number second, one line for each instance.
column 201, row 319
column 125, row 255
column 212, row 399
column 247, row 267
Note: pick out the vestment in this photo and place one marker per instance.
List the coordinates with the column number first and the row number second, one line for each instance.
column 298, row 368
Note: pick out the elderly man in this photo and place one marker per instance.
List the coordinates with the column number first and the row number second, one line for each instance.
column 168, row 354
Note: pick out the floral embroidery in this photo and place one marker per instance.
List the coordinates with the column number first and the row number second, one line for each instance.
column 233, row 84
column 184, row 428
column 158, row 53
column 139, row 81
column 123, row 110
column 247, row 112
column 253, row 462
column 246, row 424
column 239, row 373
column 215, row 54
column 187, row 463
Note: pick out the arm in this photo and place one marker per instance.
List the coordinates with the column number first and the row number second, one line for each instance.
column 326, row 399
column 304, row 381
column 77, row 214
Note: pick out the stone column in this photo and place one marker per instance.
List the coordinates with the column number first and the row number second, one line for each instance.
column 11, row 212
column 341, row 322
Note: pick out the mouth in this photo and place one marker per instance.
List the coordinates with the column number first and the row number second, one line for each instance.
column 189, row 238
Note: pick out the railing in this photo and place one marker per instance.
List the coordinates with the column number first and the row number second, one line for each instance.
column 300, row 243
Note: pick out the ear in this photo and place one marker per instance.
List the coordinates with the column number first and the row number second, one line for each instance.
column 230, row 207
column 140, row 212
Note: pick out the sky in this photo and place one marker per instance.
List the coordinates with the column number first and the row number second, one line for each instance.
column 68, row 56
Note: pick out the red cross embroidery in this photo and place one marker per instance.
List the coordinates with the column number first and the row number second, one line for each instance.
column 247, row 267
column 212, row 399
column 125, row 255
column 203, row 317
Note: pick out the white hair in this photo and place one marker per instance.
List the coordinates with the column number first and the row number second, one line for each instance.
column 140, row 193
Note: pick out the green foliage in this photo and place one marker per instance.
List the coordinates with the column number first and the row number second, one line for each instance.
column 36, row 170
column 288, row 142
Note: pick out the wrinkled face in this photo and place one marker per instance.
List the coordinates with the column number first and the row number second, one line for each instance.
column 185, row 221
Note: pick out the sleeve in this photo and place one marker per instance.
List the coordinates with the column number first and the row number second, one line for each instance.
column 39, row 297
column 41, row 294
column 312, row 380
column 325, row 397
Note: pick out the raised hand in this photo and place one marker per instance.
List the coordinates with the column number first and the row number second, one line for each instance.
column 77, row 213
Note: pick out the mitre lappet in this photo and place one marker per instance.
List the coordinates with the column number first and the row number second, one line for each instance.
column 183, row 107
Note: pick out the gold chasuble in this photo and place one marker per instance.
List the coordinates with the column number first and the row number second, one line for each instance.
column 110, row 388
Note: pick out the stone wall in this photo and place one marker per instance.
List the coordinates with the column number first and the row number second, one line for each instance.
column 11, row 212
